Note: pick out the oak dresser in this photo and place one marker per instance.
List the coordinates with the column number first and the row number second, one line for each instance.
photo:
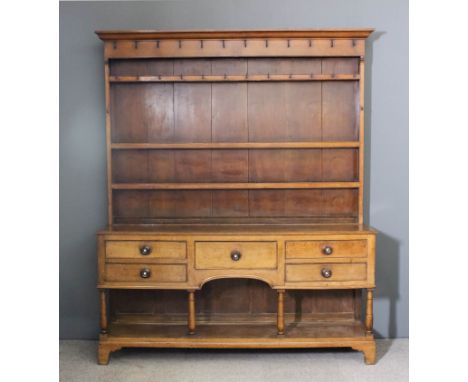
column 235, row 164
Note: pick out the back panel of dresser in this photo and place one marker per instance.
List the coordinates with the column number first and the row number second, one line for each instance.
column 168, row 160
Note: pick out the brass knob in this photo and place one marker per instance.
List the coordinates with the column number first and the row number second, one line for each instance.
column 235, row 255
column 327, row 250
column 145, row 273
column 145, row 250
column 327, row 273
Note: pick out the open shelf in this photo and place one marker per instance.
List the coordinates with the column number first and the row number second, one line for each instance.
column 332, row 224
column 237, row 78
column 238, row 335
column 232, row 186
column 236, row 145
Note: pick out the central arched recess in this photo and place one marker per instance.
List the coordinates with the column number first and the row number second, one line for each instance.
column 241, row 298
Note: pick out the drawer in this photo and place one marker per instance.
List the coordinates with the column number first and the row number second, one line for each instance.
column 319, row 272
column 236, row 255
column 322, row 248
column 146, row 273
column 146, row 249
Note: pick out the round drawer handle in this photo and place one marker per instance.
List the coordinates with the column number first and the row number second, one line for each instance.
column 327, row 273
column 327, row 250
column 235, row 255
column 145, row 250
column 145, row 273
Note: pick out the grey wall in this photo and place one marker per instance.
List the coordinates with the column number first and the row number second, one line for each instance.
column 82, row 133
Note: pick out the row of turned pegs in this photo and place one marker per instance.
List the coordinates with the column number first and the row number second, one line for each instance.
column 234, row 78
column 223, row 43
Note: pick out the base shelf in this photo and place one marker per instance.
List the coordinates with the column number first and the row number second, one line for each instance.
column 329, row 334
column 237, row 333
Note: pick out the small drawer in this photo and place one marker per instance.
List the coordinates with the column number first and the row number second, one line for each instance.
column 153, row 273
column 326, row 272
column 236, row 255
column 332, row 248
column 146, row 249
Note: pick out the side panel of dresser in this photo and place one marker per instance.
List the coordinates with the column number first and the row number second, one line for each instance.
column 282, row 261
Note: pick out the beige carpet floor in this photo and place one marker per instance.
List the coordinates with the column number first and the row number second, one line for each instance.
column 78, row 363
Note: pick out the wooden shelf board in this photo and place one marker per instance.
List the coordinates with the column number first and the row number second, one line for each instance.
column 232, row 186
column 152, row 225
column 237, row 335
column 238, row 78
column 236, row 145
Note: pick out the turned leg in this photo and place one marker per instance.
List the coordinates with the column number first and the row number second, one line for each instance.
column 280, row 317
column 191, row 312
column 369, row 312
column 103, row 317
